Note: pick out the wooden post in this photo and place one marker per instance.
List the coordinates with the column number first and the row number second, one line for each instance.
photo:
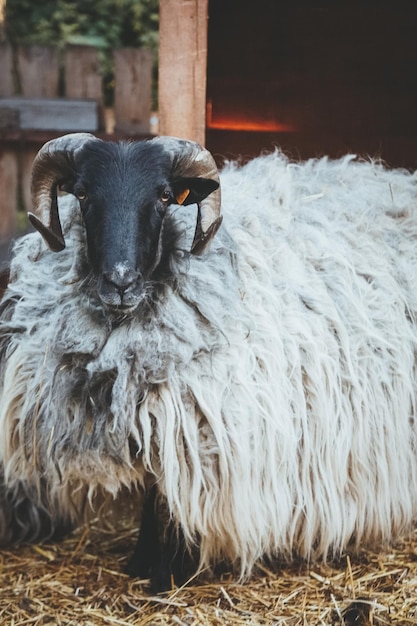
column 132, row 90
column 182, row 68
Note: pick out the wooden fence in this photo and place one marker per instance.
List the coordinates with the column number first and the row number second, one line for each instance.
column 32, row 112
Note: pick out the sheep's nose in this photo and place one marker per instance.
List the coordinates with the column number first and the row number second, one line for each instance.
column 121, row 287
column 121, row 277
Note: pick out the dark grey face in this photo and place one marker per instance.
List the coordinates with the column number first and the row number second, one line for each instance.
column 124, row 191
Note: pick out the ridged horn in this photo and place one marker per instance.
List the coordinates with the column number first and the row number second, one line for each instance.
column 191, row 160
column 53, row 164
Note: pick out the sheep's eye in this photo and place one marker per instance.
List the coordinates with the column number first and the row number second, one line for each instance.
column 166, row 195
column 80, row 193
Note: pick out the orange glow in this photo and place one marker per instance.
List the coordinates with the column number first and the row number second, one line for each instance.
column 250, row 125
column 226, row 121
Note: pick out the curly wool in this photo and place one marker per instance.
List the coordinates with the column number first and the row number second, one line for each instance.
column 271, row 391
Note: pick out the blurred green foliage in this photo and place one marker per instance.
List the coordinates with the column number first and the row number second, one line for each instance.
column 105, row 24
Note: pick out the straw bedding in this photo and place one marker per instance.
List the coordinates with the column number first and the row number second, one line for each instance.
column 80, row 581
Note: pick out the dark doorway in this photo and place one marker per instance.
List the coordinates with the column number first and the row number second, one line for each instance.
column 313, row 77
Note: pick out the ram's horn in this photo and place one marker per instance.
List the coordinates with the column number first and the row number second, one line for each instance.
column 53, row 164
column 191, row 160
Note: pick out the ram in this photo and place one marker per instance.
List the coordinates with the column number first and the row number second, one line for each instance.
column 252, row 381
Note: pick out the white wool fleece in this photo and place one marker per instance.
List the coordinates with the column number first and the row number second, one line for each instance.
column 272, row 393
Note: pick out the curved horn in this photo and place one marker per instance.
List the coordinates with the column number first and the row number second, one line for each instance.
column 190, row 159
column 53, row 163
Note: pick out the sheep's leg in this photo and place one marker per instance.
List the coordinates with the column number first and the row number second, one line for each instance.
column 160, row 552
column 146, row 550
column 183, row 563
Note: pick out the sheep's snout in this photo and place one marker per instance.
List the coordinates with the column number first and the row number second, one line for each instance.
column 122, row 287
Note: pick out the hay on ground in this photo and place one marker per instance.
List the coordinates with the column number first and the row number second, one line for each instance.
column 80, row 581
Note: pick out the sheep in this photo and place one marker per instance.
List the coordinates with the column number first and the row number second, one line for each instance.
column 252, row 380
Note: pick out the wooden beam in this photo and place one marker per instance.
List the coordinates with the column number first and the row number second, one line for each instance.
column 182, row 68
column 52, row 113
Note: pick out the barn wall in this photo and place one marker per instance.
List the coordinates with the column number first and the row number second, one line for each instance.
column 313, row 76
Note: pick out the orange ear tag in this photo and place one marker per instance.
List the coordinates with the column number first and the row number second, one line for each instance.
column 182, row 196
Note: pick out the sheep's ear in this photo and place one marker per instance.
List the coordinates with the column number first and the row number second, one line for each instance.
column 193, row 190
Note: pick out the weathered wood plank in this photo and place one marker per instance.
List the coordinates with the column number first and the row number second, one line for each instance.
column 6, row 72
column 132, row 94
column 54, row 113
column 182, row 68
column 83, row 77
column 8, row 195
column 38, row 71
